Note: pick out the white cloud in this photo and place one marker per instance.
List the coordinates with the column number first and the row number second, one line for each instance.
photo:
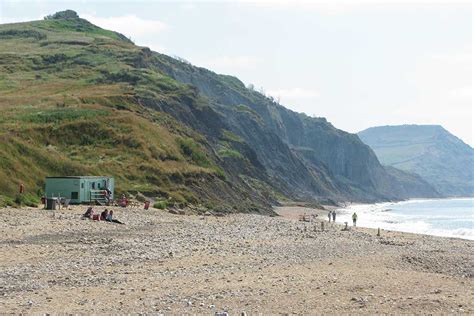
column 325, row 3
column 443, row 86
column 130, row 25
column 293, row 93
column 226, row 63
column 452, row 58
column 338, row 7
column 188, row 6
column 462, row 92
column 440, row 77
column 325, row 7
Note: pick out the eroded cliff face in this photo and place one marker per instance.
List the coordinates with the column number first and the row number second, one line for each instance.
column 163, row 127
column 303, row 156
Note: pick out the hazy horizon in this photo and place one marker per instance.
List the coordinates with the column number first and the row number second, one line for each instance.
column 358, row 65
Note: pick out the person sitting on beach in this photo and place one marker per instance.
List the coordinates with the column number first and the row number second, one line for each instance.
column 329, row 216
column 104, row 214
column 354, row 219
column 334, row 216
column 107, row 195
column 123, row 201
column 110, row 218
column 89, row 213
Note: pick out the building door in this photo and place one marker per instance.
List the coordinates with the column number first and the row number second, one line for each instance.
column 82, row 195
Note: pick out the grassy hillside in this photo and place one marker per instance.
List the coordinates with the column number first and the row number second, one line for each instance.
column 308, row 155
column 428, row 150
column 76, row 99
column 69, row 107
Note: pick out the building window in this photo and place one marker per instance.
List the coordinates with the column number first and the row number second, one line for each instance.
column 74, row 195
column 93, row 185
column 82, row 185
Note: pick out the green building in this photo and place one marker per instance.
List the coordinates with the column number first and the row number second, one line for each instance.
column 80, row 189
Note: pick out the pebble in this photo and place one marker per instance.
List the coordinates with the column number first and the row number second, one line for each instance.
column 127, row 252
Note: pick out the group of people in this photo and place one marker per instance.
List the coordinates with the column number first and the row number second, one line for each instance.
column 106, row 215
column 107, row 195
column 332, row 215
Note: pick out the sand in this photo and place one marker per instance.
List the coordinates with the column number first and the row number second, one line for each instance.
column 160, row 263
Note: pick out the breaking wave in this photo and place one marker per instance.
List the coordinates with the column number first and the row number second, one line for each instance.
column 440, row 217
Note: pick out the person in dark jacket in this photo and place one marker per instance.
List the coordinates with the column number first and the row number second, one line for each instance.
column 104, row 214
column 89, row 213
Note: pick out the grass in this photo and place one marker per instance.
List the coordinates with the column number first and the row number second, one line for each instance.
column 229, row 136
column 57, row 116
column 230, row 153
column 160, row 205
column 7, row 201
column 27, row 199
column 194, row 152
column 71, row 102
column 76, row 25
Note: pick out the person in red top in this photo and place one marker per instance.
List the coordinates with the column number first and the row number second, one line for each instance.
column 123, row 201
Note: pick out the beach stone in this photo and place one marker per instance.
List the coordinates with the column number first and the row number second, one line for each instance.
column 249, row 259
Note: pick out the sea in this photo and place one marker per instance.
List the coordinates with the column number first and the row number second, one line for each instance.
column 437, row 217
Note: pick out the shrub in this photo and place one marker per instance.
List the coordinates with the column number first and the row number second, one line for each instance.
column 26, row 199
column 230, row 153
column 160, row 205
column 60, row 115
column 22, row 33
column 192, row 150
column 6, row 201
column 219, row 172
column 228, row 135
column 123, row 75
column 178, row 199
column 66, row 14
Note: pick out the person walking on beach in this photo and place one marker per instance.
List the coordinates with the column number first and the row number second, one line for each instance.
column 333, row 216
column 329, row 216
column 354, row 218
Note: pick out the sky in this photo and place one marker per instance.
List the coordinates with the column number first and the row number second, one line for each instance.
column 359, row 64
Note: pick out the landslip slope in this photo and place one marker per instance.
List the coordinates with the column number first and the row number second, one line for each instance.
column 78, row 99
